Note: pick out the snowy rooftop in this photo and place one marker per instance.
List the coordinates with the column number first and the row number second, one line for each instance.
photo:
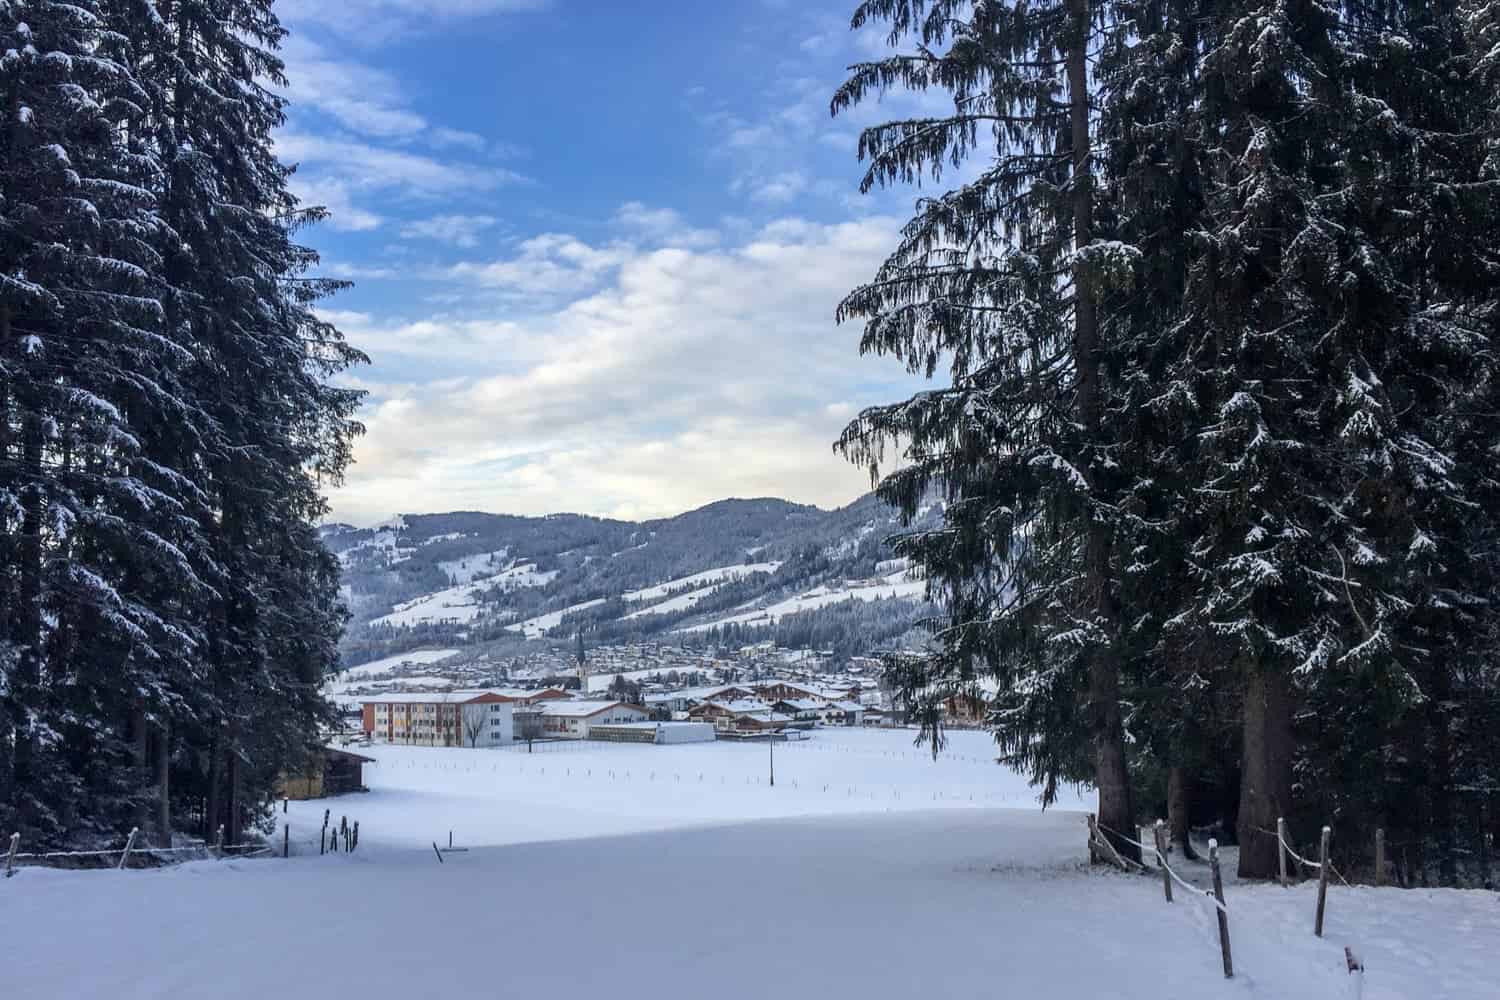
column 693, row 694
column 575, row 709
column 453, row 697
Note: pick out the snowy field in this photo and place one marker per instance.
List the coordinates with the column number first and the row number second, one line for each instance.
column 868, row 871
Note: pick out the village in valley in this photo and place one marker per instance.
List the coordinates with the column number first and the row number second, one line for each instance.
column 758, row 694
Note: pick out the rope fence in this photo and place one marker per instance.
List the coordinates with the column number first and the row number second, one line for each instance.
column 1102, row 846
column 341, row 838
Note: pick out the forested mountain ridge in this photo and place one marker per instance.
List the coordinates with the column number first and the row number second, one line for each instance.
column 467, row 577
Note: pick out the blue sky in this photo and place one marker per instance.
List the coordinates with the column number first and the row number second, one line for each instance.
column 597, row 247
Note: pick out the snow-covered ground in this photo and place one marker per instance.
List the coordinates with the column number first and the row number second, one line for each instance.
column 718, row 575
column 461, row 603
column 896, row 585
column 386, row 664
column 865, row 872
column 531, row 628
column 470, row 568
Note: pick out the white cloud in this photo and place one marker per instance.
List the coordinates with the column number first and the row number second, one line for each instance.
column 359, row 97
column 680, row 377
column 364, row 165
column 459, row 230
column 333, row 194
column 444, row 136
column 376, row 22
column 662, row 226
column 776, row 189
column 546, row 266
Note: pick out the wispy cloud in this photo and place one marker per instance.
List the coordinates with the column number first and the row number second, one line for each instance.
column 377, row 22
column 334, row 195
column 459, row 230
column 363, row 164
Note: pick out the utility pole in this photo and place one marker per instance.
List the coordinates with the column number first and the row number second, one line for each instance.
column 773, row 757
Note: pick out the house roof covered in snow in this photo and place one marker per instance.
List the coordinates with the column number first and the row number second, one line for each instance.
column 578, row 709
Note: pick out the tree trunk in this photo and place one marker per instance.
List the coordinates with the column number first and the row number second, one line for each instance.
column 213, row 808
column 140, row 755
column 1266, row 779
column 163, row 790
column 1441, row 783
column 1111, row 775
column 24, row 689
column 1177, row 811
column 232, row 825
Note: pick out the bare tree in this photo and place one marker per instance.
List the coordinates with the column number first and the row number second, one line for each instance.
column 474, row 717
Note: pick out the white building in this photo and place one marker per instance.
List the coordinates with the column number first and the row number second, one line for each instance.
column 440, row 719
column 571, row 719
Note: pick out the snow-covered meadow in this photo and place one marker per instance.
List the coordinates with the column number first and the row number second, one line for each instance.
column 869, row 870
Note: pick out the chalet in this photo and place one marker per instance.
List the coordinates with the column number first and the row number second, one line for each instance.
column 800, row 709
column 328, row 772
column 444, row 718
column 573, row 719
column 685, row 699
column 721, row 712
column 964, row 710
column 843, row 713
column 766, row 722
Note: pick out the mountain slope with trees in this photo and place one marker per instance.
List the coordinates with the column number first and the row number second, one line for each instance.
column 621, row 581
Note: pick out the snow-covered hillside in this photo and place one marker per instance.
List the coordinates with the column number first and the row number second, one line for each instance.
column 895, row 586
column 607, row 870
column 466, row 578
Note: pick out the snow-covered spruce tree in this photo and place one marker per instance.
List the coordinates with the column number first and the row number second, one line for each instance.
column 234, row 284
column 1252, row 325
column 1335, row 344
column 91, row 567
column 1180, row 701
column 1405, row 727
column 999, row 280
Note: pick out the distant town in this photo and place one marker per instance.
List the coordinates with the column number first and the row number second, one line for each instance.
column 644, row 692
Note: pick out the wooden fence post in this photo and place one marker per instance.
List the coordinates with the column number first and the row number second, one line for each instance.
column 1281, row 849
column 355, row 845
column 129, row 843
column 1380, row 855
column 10, row 855
column 1213, row 864
column 1093, row 840
column 1322, row 879
column 286, row 840
column 1161, row 857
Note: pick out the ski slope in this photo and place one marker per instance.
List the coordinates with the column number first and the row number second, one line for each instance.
column 696, row 580
column 819, row 597
column 386, row 664
column 462, row 603
column 532, row 628
column 657, row 885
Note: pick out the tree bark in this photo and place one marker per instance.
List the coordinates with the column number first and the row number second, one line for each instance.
column 233, row 823
column 1111, row 774
column 25, row 684
column 140, row 753
column 213, row 807
column 1441, row 783
column 1177, row 811
column 1266, row 778
column 163, row 790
